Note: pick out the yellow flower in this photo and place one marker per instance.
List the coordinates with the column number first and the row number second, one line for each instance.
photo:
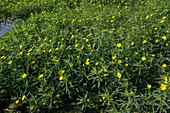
column 164, row 65
column 32, row 107
column 113, row 62
column 165, row 78
column 153, row 55
column 33, row 62
column 89, row 45
column 3, row 57
column 84, row 84
column 161, row 21
column 42, row 45
column 62, row 71
column 144, row 41
column 28, row 54
column 78, row 57
column 119, row 75
column 72, row 36
column 97, row 63
column 164, row 17
column 132, row 43
column 24, row 75
column 17, row 101
column 71, row 65
column 164, row 37
column 113, row 57
column 87, row 63
column 118, row 45
column 39, row 39
column 105, row 70
column 147, row 16
column 163, row 87
column 131, row 92
column 87, row 39
column 76, row 45
column 88, row 100
column 56, row 48
column 103, row 98
column 126, row 64
column 119, row 61
column 30, row 50
column 51, row 40
column 87, row 59
column 40, row 76
column 100, row 100
column 61, row 47
column 20, row 46
column 49, row 50
column 20, row 53
column 136, row 53
column 89, row 35
column 149, row 86
column 61, row 78
column 58, row 95
column 23, row 97
column 105, row 75
column 111, row 99
column 143, row 58
column 10, row 62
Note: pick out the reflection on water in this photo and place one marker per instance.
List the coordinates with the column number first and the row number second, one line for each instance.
column 4, row 27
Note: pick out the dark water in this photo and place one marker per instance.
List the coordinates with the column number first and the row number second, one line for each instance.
column 5, row 27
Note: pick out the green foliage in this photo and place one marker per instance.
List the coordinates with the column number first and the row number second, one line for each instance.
column 112, row 56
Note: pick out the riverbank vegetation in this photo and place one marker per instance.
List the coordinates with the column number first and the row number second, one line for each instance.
column 102, row 56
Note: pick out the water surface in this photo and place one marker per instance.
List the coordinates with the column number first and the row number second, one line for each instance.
column 5, row 27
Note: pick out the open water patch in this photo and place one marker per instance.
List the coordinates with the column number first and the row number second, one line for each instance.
column 5, row 26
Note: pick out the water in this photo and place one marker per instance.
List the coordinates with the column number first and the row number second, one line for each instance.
column 5, row 27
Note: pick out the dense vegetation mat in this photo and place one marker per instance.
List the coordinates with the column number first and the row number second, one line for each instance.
column 103, row 56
